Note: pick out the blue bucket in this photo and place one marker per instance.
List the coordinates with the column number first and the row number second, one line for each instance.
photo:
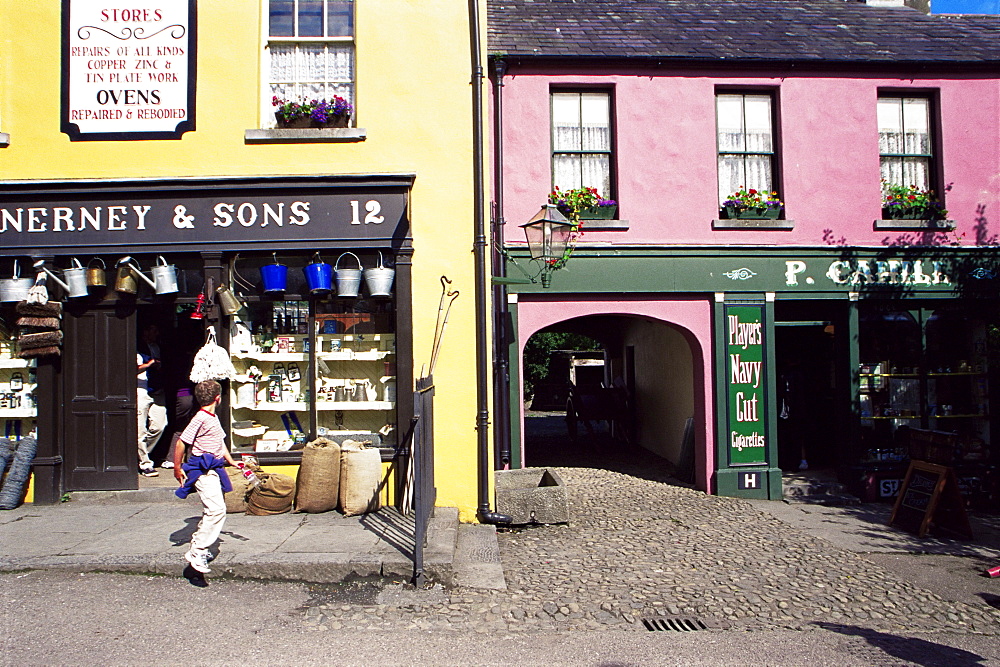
column 274, row 277
column 319, row 276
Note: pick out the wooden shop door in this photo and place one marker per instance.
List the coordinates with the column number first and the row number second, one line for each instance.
column 99, row 400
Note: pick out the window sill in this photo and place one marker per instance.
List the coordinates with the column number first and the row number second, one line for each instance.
column 753, row 224
column 4, row 140
column 306, row 135
column 605, row 225
column 904, row 225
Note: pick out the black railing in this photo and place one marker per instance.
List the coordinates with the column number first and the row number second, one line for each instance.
column 421, row 466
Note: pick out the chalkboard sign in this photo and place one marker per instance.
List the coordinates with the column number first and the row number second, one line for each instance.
column 930, row 498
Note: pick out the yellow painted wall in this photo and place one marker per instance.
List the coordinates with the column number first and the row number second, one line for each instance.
column 413, row 98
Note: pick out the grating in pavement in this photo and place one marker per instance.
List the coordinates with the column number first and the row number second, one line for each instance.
column 673, row 624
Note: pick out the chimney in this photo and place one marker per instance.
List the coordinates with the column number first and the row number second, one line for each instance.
column 920, row 5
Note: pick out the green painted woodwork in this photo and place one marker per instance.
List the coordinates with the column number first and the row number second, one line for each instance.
column 894, row 272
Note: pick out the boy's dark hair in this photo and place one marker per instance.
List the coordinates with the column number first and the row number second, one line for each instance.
column 206, row 392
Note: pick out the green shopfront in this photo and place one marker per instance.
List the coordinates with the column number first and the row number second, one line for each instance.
column 835, row 360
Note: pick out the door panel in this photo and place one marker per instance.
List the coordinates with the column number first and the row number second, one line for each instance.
column 99, row 400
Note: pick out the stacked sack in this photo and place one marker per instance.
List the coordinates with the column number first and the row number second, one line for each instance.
column 274, row 495
column 317, row 486
column 360, row 478
column 39, row 325
column 236, row 500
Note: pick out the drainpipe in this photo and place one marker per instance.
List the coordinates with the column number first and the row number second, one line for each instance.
column 483, row 374
column 501, row 402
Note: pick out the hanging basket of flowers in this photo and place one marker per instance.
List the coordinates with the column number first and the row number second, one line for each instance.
column 908, row 202
column 750, row 204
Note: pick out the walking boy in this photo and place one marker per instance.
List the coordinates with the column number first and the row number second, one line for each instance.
column 203, row 471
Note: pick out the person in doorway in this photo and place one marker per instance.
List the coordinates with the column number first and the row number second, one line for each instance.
column 151, row 405
column 185, row 405
column 203, row 471
column 789, row 385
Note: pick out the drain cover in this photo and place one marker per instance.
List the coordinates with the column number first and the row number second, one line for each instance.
column 673, row 624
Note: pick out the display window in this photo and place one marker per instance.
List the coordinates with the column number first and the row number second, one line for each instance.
column 314, row 358
column 924, row 392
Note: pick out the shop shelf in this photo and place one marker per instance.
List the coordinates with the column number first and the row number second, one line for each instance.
column 273, row 356
column 18, row 413
column 320, row 405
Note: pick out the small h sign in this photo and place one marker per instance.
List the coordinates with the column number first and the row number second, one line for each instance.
column 748, row 480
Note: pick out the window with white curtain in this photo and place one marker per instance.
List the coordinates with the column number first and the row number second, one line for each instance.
column 745, row 142
column 904, row 140
column 309, row 52
column 581, row 141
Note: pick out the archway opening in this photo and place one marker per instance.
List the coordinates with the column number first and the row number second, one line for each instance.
column 600, row 390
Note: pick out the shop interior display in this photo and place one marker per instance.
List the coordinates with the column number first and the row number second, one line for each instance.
column 925, row 370
column 17, row 385
column 348, row 360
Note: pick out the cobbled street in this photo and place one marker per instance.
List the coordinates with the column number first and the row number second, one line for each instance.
column 642, row 547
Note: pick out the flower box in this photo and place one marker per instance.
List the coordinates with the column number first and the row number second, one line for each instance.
column 294, row 123
column 598, row 213
column 307, row 121
column 765, row 213
column 911, row 213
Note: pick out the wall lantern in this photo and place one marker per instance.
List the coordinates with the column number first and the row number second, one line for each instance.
column 548, row 234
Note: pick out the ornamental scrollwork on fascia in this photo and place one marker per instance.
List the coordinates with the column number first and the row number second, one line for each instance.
column 740, row 274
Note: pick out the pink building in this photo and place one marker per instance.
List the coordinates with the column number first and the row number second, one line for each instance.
column 827, row 316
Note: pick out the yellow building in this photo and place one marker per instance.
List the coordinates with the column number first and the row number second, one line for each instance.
column 149, row 132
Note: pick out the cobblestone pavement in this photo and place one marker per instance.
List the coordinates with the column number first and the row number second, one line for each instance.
column 640, row 547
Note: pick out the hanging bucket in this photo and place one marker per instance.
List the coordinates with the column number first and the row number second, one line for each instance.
column 95, row 275
column 379, row 278
column 348, row 280
column 274, row 276
column 125, row 280
column 319, row 276
column 16, row 288
column 164, row 277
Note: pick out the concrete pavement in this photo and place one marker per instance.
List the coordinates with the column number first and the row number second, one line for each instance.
column 148, row 531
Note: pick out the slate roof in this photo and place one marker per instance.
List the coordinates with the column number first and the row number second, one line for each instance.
column 810, row 31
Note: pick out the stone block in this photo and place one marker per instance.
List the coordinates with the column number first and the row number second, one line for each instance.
column 532, row 495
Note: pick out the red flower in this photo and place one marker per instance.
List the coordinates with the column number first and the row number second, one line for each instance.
column 752, row 191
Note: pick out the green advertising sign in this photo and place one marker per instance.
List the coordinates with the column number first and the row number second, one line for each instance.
column 747, row 415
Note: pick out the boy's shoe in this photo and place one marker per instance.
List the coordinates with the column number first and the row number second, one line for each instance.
column 167, row 465
column 148, row 472
column 199, row 561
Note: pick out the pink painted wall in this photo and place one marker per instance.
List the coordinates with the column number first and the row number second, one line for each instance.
column 666, row 155
column 691, row 316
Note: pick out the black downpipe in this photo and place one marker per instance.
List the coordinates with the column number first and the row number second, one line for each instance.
column 484, row 513
column 501, row 401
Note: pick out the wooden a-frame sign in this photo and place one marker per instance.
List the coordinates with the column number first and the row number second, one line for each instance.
column 930, row 498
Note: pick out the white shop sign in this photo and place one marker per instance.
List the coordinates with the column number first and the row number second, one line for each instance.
column 128, row 70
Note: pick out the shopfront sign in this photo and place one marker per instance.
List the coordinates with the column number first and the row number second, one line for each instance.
column 128, row 69
column 221, row 216
column 745, row 375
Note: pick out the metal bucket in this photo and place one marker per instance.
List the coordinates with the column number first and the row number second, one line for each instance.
column 165, row 277
column 348, row 280
column 76, row 279
column 319, row 276
column 16, row 288
column 274, row 276
column 96, row 277
column 379, row 279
